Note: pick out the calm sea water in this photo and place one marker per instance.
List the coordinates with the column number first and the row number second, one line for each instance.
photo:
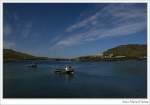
column 116, row 79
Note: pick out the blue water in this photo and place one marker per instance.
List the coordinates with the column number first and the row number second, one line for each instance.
column 115, row 79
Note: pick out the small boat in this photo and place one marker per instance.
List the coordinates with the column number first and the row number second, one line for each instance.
column 64, row 71
column 33, row 65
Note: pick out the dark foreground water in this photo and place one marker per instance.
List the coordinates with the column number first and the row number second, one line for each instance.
column 116, row 79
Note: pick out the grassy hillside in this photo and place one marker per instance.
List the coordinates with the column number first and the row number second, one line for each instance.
column 9, row 54
column 120, row 52
column 130, row 51
column 88, row 58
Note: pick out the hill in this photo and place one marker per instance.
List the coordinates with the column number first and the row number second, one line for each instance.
column 9, row 54
column 128, row 51
column 88, row 58
column 122, row 52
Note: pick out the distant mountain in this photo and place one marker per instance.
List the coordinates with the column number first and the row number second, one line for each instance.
column 129, row 51
column 88, row 58
column 122, row 52
column 9, row 54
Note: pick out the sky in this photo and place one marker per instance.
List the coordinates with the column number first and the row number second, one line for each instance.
column 72, row 30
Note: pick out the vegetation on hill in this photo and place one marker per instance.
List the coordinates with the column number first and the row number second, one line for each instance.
column 122, row 52
column 9, row 54
column 128, row 51
column 88, row 58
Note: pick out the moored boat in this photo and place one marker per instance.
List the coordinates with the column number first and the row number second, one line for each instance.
column 66, row 70
column 33, row 65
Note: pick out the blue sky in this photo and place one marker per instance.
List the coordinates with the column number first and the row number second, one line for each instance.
column 70, row 30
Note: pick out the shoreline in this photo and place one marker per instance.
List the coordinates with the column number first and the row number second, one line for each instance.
column 75, row 60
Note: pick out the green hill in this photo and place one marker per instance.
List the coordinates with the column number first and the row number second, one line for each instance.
column 133, row 51
column 129, row 51
column 88, row 58
column 9, row 54
column 122, row 52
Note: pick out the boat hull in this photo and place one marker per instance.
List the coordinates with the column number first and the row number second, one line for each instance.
column 63, row 71
column 32, row 66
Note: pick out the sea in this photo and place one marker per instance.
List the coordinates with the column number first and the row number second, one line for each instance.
column 102, row 79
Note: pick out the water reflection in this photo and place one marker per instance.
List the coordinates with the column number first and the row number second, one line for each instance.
column 65, row 76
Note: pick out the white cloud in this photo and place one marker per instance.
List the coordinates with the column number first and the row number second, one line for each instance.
column 7, row 29
column 16, row 17
column 123, row 30
column 23, row 29
column 26, row 29
column 9, row 45
column 82, row 23
column 122, row 12
column 111, row 21
column 97, row 34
